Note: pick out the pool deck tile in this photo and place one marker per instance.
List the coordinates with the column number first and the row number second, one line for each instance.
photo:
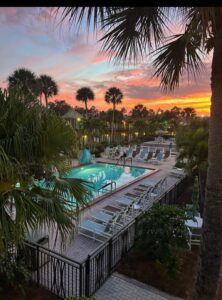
column 120, row 287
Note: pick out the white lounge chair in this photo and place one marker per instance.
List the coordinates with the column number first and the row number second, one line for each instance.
column 157, row 159
column 177, row 172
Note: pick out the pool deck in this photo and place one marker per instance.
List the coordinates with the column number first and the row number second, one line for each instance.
column 80, row 247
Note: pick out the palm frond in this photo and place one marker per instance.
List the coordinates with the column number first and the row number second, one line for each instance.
column 133, row 31
column 182, row 52
column 92, row 15
column 203, row 18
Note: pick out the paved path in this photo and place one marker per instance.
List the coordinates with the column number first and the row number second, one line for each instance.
column 119, row 287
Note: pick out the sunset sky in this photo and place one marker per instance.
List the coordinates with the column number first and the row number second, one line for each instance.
column 32, row 38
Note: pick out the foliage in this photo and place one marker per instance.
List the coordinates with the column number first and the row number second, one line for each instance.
column 139, row 111
column 195, row 199
column 60, row 107
column 33, row 142
column 113, row 95
column 23, row 81
column 192, row 145
column 13, row 274
column 163, row 229
column 48, row 87
column 85, row 94
column 98, row 149
column 131, row 33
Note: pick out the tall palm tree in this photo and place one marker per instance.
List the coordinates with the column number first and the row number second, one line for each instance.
column 24, row 81
column 132, row 33
column 85, row 94
column 114, row 96
column 48, row 87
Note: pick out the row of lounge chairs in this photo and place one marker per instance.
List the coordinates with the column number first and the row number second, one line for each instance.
column 111, row 218
column 144, row 154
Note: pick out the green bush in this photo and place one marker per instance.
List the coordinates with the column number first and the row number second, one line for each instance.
column 160, row 232
column 98, row 149
column 13, row 274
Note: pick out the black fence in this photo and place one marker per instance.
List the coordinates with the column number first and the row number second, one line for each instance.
column 66, row 277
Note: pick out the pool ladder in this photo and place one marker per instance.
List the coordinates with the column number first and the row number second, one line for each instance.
column 109, row 184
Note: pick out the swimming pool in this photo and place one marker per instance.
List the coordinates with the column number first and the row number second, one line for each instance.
column 101, row 173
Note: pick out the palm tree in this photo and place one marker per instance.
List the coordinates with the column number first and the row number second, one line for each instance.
column 114, row 96
column 48, row 87
column 132, row 33
column 24, row 81
column 33, row 140
column 188, row 113
column 85, row 94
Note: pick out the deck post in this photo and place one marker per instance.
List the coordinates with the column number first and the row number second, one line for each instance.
column 87, row 284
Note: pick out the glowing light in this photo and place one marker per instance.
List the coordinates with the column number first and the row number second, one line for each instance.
column 78, row 119
column 136, row 133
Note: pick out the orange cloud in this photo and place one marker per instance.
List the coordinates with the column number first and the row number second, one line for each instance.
column 200, row 102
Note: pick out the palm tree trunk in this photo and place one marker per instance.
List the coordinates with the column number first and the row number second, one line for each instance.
column 211, row 243
column 46, row 100
column 202, row 184
column 112, row 130
column 86, row 107
column 40, row 99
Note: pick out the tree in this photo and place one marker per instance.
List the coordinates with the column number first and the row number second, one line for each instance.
column 93, row 128
column 114, row 96
column 33, row 142
column 85, row 94
column 192, row 145
column 161, row 230
column 139, row 111
column 48, row 87
column 133, row 32
column 188, row 113
column 140, row 126
column 24, row 82
column 60, row 107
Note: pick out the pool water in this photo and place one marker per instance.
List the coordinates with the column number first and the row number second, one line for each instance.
column 100, row 174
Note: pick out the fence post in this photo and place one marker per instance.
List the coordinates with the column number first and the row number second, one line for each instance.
column 80, row 281
column 110, row 255
column 87, row 285
column 37, row 263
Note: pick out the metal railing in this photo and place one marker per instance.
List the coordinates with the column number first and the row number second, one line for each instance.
column 65, row 277
column 110, row 184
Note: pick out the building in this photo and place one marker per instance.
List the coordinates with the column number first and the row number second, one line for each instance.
column 73, row 118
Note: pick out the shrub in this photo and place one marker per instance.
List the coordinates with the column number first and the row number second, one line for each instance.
column 161, row 231
column 13, row 274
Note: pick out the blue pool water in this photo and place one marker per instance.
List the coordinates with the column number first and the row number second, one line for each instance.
column 100, row 174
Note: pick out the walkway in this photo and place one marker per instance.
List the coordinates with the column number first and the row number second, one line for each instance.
column 119, row 287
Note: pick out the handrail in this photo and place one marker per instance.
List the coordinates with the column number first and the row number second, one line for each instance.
column 111, row 183
column 105, row 185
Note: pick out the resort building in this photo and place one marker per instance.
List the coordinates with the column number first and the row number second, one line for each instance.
column 73, row 118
